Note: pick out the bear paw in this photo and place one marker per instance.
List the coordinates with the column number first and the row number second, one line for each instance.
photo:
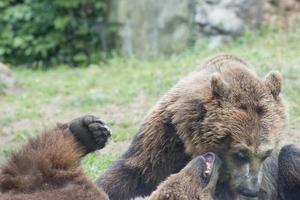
column 91, row 132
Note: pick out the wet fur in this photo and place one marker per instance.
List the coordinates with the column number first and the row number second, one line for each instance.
column 48, row 167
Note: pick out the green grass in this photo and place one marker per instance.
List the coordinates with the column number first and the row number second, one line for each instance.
column 122, row 90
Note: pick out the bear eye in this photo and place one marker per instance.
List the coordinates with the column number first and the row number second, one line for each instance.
column 241, row 157
column 243, row 107
column 259, row 110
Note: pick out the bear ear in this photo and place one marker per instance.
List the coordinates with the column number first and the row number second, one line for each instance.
column 274, row 82
column 218, row 86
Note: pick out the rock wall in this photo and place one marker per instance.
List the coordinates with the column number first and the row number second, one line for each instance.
column 152, row 27
column 222, row 20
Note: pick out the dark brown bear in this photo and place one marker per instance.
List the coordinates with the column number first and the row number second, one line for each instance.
column 48, row 166
column 289, row 173
column 224, row 108
column 197, row 181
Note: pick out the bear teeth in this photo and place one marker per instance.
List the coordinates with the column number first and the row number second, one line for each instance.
column 208, row 168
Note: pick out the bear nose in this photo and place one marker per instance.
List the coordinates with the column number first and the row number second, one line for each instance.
column 248, row 192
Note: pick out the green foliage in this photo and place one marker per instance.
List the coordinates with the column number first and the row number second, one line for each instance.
column 44, row 33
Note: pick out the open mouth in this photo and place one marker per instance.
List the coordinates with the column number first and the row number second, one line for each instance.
column 209, row 162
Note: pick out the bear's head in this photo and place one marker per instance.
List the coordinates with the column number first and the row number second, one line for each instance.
column 227, row 109
column 205, row 168
column 244, row 121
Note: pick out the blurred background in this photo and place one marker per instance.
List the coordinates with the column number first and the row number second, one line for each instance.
column 115, row 58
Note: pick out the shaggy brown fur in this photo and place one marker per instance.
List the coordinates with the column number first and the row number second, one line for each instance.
column 191, row 183
column 48, row 166
column 289, row 173
column 224, row 108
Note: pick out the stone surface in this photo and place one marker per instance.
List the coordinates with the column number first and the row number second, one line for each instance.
column 151, row 27
column 7, row 80
column 222, row 20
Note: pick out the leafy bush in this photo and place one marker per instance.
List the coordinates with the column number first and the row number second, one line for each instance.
column 47, row 32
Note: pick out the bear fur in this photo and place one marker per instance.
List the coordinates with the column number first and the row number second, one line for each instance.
column 193, row 182
column 269, row 186
column 48, row 166
column 289, row 173
column 224, row 108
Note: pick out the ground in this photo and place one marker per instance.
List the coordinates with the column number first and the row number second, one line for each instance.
column 122, row 90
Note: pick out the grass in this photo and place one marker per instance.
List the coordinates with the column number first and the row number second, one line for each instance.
column 122, row 90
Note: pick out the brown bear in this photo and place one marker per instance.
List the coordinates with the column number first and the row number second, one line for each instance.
column 196, row 181
column 224, row 108
column 48, row 166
